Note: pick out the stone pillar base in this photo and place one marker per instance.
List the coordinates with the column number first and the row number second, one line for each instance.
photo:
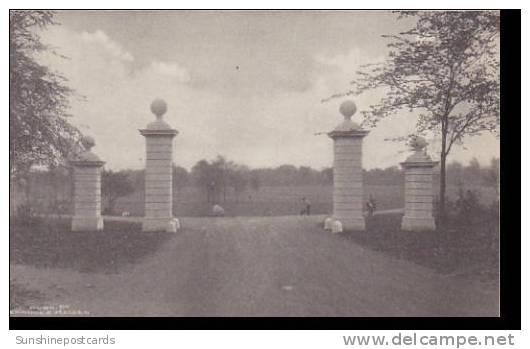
column 80, row 223
column 352, row 223
column 417, row 224
column 169, row 225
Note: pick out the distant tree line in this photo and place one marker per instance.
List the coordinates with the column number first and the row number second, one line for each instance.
column 221, row 178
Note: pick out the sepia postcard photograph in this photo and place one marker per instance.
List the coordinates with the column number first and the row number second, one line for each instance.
column 255, row 164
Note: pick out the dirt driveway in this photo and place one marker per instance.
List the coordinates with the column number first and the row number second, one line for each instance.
column 274, row 266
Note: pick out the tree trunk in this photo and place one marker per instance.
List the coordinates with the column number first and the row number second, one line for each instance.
column 72, row 187
column 441, row 199
column 27, row 190
column 55, row 189
column 441, row 212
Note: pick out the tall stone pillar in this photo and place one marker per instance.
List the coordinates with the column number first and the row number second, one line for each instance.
column 418, row 189
column 87, row 189
column 158, row 172
column 347, row 170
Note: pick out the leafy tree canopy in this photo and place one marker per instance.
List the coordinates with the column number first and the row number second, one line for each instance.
column 446, row 70
column 39, row 131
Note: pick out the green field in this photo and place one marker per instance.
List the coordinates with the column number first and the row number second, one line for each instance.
column 267, row 201
column 281, row 200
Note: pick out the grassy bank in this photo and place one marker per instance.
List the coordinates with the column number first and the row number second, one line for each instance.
column 466, row 248
column 45, row 243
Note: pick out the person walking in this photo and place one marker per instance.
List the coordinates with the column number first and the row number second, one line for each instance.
column 370, row 206
column 306, row 209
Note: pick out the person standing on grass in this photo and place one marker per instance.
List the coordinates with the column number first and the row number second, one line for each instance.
column 306, row 209
column 370, row 206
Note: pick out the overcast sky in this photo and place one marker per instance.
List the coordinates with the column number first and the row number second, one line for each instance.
column 245, row 85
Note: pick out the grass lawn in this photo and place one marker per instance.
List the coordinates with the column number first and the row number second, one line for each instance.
column 281, row 200
column 49, row 243
column 267, row 201
column 465, row 249
column 19, row 296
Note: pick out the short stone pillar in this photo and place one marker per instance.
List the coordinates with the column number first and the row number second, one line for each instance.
column 347, row 170
column 418, row 189
column 159, row 136
column 87, row 189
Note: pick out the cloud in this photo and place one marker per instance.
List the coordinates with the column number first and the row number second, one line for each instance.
column 117, row 92
column 170, row 69
column 262, row 114
column 107, row 44
column 347, row 61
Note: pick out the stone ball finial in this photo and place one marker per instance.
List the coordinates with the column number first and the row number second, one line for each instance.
column 417, row 143
column 159, row 107
column 347, row 109
column 88, row 142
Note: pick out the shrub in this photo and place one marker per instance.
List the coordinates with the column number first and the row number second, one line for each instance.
column 467, row 206
column 25, row 216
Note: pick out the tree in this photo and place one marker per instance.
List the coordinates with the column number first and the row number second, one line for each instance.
column 474, row 170
column 255, row 182
column 492, row 175
column 39, row 131
column 217, row 175
column 286, row 174
column 305, row 174
column 204, row 177
column 388, row 176
column 327, row 175
column 447, row 69
column 180, row 177
column 220, row 173
column 115, row 185
column 238, row 178
column 455, row 173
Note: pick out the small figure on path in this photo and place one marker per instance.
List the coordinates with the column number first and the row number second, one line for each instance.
column 218, row 211
column 306, row 210
column 370, row 206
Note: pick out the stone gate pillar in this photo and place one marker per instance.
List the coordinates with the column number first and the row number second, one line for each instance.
column 347, row 170
column 87, row 189
column 418, row 189
column 159, row 136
